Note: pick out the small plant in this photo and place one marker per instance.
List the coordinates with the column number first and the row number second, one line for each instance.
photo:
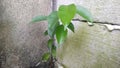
column 59, row 22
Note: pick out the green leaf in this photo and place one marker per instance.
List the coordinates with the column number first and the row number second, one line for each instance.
column 53, row 22
column 46, row 57
column 71, row 27
column 53, row 51
column 50, row 43
column 39, row 18
column 84, row 13
column 46, row 33
column 66, row 13
column 61, row 34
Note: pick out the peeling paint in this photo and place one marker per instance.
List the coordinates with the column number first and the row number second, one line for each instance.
column 108, row 25
column 90, row 23
column 112, row 27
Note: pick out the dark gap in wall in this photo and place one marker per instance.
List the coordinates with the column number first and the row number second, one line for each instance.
column 54, row 5
column 96, row 22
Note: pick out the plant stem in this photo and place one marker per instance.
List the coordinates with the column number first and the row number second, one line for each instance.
column 51, row 62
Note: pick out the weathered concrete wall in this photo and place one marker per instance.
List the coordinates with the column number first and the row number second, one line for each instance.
column 93, row 47
column 22, row 43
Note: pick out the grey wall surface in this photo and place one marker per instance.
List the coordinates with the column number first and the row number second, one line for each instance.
column 22, row 43
column 95, row 46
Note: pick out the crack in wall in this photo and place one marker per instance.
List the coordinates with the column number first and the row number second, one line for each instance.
column 110, row 26
column 54, row 5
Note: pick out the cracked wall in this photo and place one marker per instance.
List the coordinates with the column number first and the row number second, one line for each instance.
column 22, row 43
column 93, row 46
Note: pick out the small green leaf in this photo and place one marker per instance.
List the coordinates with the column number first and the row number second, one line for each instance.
column 53, row 22
column 50, row 43
column 39, row 18
column 53, row 51
column 66, row 13
column 71, row 27
column 46, row 33
column 61, row 34
column 46, row 57
column 84, row 13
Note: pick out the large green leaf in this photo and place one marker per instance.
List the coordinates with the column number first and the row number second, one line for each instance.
column 61, row 34
column 39, row 18
column 71, row 27
column 66, row 13
column 53, row 22
column 46, row 57
column 84, row 13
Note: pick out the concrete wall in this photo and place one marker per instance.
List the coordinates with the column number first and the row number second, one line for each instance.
column 22, row 43
column 93, row 47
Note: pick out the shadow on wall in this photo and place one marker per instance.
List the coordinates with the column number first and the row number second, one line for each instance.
column 22, row 50
column 4, row 32
column 21, row 44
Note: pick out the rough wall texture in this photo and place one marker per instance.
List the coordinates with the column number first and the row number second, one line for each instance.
column 22, row 43
column 93, row 47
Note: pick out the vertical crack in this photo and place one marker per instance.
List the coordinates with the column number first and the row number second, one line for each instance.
column 54, row 5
